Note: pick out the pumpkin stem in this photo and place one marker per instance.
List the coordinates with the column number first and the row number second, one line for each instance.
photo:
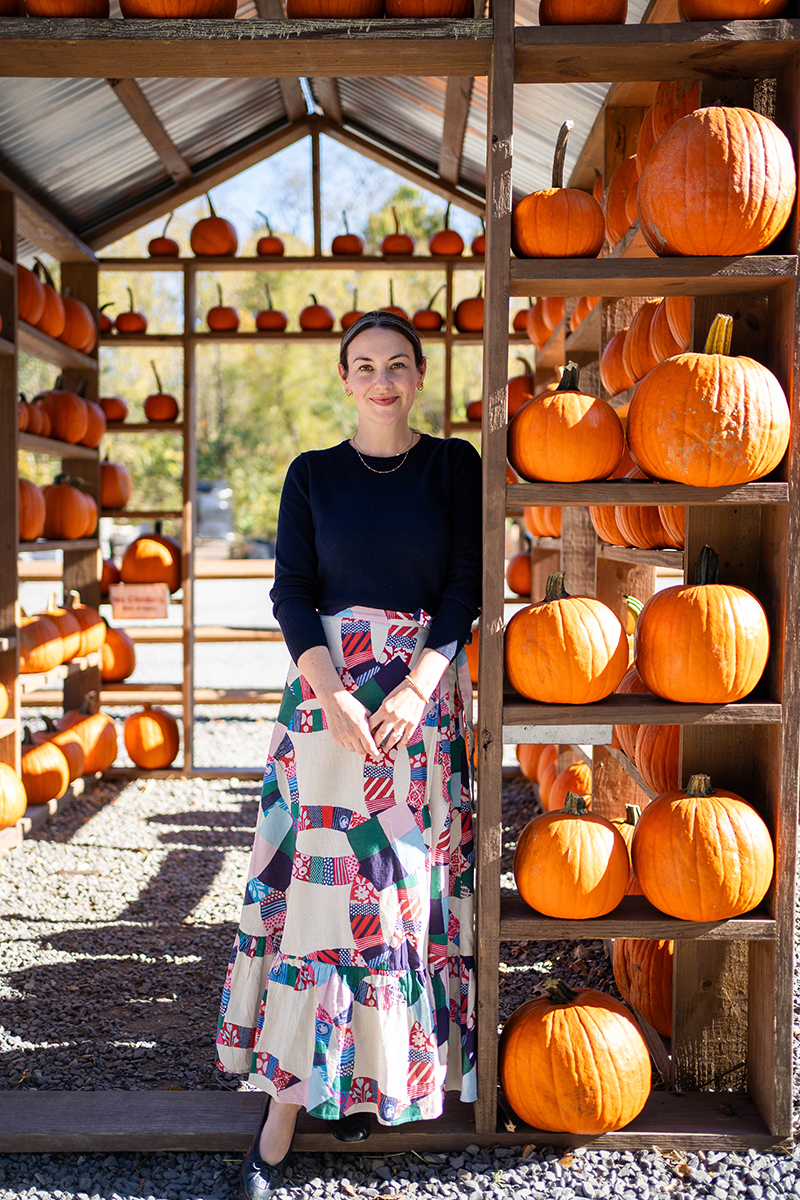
column 130, row 298
column 707, row 567
column 52, row 603
column 529, row 370
column 480, row 287
column 266, row 222
column 720, row 335
column 554, row 589
column 108, row 304
column 27, row 737
column 447, row 216
column 570, row 378
column 313, row 297
column 82, row 388
column 158, row 378
column 62, row 477
column 560, row 154
column 269, row 295
column 50, row 725
column 558, row 991
column 699, row 785
column 48, row 278
column 483, row 225
column 73, row 598
column 210, row 205
column 355, row 299
column 575, row 805
column 219, row 293
column 391, row 293
column 632, row 814
column 157, row 527
column 166, row 224
column 435, row 294
column 346, row 226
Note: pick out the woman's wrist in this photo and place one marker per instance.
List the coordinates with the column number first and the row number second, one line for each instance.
column 412, row 683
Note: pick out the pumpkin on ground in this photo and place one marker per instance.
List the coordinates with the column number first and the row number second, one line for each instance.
column 565, row 436
column 558, row 222
column 152, row 558
column 565, row 649
column 152, row 738
column 31, row 510
column 13, row 800
column 710, row 419
column 93, row 629
column 118, row 653
column 213, row 236
column 721, row 181
column 574, row 1062
column 643, row 974
column 627, row 827
column 44, row 770
column 40, row 644
column 97, row 735
column 705, row 643
column 702, row 854
column 656, row 755
column 575, row 778
column 571, row 863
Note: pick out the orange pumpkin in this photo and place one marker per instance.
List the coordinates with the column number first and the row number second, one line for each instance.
column 631, row 685
column 623, row 179
column 152, row 558
column 679, row 318
column 53, row 318
column 603, row 517
column 40, row 644
column 548, row 756
column 662, row 341
column 637, row 354
column 721, row 181
column 22, row 414
column 80, row 328
column 68, row 743
column 656, row 756
column 571, row 863
column 97, row 735
column 97, row 9
column 520, row 321
column 34, row 417
column 702, row 854
column 13, row 800
column 272, row 320
column 96, row 425
column 674, row 99
column 566, row 435
column 31, row 510
column 110, row 575
column 222, row 318
column 627, row 827
column 528, row 755
column 415, row 9
column 426, row 318
column 468, row 315
column 702, row 644
column 93, row 629
column 558, row 222
column 709, row 419
column 643, row 973
column 391, row 307
column 118, row 653
column 162, row 246
column 538, row 324
column 519, row 575
column 67, row 625
column 582, row 310
column 114, row 408
column 521, row 388
column 478, row 244
column 575, row 12
column 640, row 524
column 574, row 1062
column 646, row 139
column 160, row 405
column 347, row 243
column 30, row 296
column 152, row 738
column 565, row 649
column 315, row 316
column 613, row 373
column 213, row 236
column 446, row 241
column 69, row 418
column 397, row 242
column 575, row 778
column 116, row 485
column 673, row 518
column 542, row 520
column 548, row 774
column 3, row 700
column 68, row 510
column 130, row 321
column 44, row 771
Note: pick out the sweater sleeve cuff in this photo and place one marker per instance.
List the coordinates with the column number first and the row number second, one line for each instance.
column 301, row 626
column 449, row 629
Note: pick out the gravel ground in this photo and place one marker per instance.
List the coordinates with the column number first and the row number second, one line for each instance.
column 118, row 920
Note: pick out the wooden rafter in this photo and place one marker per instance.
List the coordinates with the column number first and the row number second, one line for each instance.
column 328, row 95
column 133, row 99
column 291, row 92
column 202, row 182
column 38, row 225
column 456, row 112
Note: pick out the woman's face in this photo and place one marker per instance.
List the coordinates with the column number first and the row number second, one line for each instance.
column 382, row 376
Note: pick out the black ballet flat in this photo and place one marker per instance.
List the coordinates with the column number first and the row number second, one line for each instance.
column 260, row 1179
column 355, row 1128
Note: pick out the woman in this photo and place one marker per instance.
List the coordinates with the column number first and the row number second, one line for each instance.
column 350, row 989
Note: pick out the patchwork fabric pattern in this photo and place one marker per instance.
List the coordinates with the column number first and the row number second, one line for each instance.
column 351, row 985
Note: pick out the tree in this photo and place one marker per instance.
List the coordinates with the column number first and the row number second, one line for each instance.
column 416, row 218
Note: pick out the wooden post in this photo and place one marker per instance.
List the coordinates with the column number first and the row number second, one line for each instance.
column 316, row 192
column 187, row 523
column 9, row 526
column 448, row 351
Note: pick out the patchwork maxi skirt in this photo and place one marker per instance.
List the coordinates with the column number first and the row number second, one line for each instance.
column 351, row 986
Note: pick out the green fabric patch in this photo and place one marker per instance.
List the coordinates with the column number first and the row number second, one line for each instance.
column 292, row 695
column 371, row 695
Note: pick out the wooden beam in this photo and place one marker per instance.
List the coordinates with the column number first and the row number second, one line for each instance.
column 134, row 101
column 203, row 181
column 456, row 111
column 291, row 92
column 328, row 95
column 426, row 177
column 37, row 224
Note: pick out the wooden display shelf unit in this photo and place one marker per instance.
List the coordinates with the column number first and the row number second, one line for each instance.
column 36, row 816
column 144, row 427
column 43, row 544
column 164, row 634
column 36, row 680
column 54, row 448
column 143, row 514
column 40, row 345
column 300, row 262
column 288, row 337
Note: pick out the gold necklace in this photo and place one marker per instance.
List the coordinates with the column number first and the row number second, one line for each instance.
column 391, row 469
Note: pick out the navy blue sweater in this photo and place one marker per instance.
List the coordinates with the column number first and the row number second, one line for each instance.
column 406, row 540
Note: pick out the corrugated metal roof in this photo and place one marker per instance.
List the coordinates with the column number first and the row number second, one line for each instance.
column 405, row 112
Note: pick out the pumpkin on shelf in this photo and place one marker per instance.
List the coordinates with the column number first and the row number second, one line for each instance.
column 637, row 353
column 397, row 243
column 519, row 574
column 95, row 9
column 646, row 139
column 537, row 325
column 160, row 405
column 566, row 435
column 721, row 181
column 547, row 758
column 333, row 10
column 104, row 322
column 679, row 318
column 522, row 387
column 163, row 246
column 68, row 743
column 269, row 245
column 316, row 317
column 656, row 755
column 565, row 649
column 13, row 800
column 118, row 655
column 67, row 625
column 69, row 417
column 30, row 296
column 613, row 372
column 643, row 973
column 572, row 12
column 582, row 309
column 705, row 643
column 478, row 244
column 213, row 236
column 546, row 777
column 422, row 9
column 571, row 863
column 673, row 518
column 350, row 318
column 711, row 419
column 40, row 644
column 528, row 755
column 675, row 98
column 69, row 512
column 391, row 307
column 53, row 319
column 116, row 485
column 80, row 328
column 428, row 319
column 152, row 558
column 114, row 407
column 542, row 520
column 95, row 425
column 520, row 322
column 446, row 242
column 109, row 576
column 93, row 628
column 663, row 343
column 271, row 319
column 11, row 8
column 22, row 415
column 152, row 738
column 630, row 685
column 347, row 243
column 577, row 778
column 31, row 510
column 640, row 524
column 222, row 318
column 574, row 1061
column 44, row 770
column 130, row 321
column 627, row 827
column 603, row 518
column 703, row 854
column 558, row 222
column 97, row 735
column 621, row 182
column 3, row 700
column 468, row 314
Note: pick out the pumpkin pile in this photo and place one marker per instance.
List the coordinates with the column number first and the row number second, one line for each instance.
column 60, row 316
column 58, row 634
column 62, row 414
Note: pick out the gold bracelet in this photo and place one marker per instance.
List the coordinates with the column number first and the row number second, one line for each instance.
column 414, row 687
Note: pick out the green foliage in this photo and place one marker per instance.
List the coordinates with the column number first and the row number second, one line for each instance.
column 415, row 216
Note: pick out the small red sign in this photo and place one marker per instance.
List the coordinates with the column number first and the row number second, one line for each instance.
column 139, row 601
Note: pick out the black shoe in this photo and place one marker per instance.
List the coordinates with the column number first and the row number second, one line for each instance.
column 259, row 1179
column 355, row 1128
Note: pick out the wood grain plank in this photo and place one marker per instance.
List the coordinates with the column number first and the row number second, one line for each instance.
column 672, row 559
column 456, row 111
column 640, row 491
column 139, row 108
column 578, row 551
column 9, row 498
column 32, row 341
column 188, row 519
column 650, row 276
column 642, row 710
column 626, row 766
column 291, row 92
column 54, row 448
column 47, row 232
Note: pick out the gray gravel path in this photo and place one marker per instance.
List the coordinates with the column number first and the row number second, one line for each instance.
column 118, row 917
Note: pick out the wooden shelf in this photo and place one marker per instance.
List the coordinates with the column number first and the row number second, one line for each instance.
column 634, row 917
column 233, row 568
column 8, row 726
column 301, row 262
column 141, row 339
column 7, row 643
column 143, row 514
column 73, row 544
column 54, row 448
column 696, row 50
column 650, row 276
column 6, row 267
column 133, row 694
column 37, row 680
column 40, row 345
column 639, row 710
column 164, row 634
column 287, row 337
column 144, row 427
column 7, row 347
column 641, row 491
column 651, row 558
column 586, row 338
column 630, row 768
column 36, row 816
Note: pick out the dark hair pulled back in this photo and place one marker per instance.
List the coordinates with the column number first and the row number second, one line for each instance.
column 379, row 319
